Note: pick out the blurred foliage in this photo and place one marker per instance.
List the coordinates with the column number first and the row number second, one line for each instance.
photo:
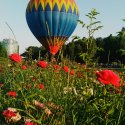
column 3, row 52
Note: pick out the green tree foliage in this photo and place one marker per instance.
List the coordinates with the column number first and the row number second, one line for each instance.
column 111, row 47
column 121, row 36
column 34, row 52
column 121, row 51
column 3, row 52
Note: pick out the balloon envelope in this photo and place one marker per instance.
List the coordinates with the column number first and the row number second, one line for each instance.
column 52, row 21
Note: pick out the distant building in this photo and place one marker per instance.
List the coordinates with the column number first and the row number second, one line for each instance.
column 10, row 45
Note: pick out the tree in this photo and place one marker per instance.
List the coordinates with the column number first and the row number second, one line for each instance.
column 3, row 52
column 121, row 36
column 32, row 52
column 121, row 41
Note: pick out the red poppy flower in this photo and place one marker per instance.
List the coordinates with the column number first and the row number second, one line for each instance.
column 42, row 64
column 72, row 72
column 79, row 75
column 15, row 57
column 57, row 67
column 8, row 113
column 11, row 93
column 66, row 69
column 24, row 67
column 1, row 85
column 108, row 77
column 41, row 86
column 30, row 123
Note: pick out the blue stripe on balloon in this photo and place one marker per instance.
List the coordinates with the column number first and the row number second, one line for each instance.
column 70, row 25
column 49, row 23
column 63, row 9
column 67, row 24
column 47, row 8
column 55, row 8
column 74, row 24
column 74, row 11
column 42, row 21
column 62, row 23
column 29, row 22
column 40, row 8
column 55, row 20
column 34, row 24
column 33, row 8
column 69, row 10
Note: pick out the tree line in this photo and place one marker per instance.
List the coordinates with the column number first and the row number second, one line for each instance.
column 102, row 50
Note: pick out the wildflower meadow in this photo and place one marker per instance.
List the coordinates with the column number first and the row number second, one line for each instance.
column 65, row 93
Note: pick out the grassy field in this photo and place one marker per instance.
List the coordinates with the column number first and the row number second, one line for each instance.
column 58, row 94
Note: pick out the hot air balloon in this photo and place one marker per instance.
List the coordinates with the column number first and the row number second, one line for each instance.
column 52, row 21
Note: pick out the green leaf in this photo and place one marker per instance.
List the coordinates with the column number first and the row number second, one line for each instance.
column 31, row 96
column 93, row 23
column 95, row 106
column 90, row 120
column 75, row 37
column 99, row 27
column 105, row 91
column 81, row 22
column 89, row 16
column 111, row 111
column 32, row 107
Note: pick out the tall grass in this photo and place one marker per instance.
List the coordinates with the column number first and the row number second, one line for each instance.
column 65, row 99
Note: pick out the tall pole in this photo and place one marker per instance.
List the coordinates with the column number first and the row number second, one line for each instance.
column 11, row 30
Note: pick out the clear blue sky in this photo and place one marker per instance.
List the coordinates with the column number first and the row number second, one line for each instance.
column 13, row 12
